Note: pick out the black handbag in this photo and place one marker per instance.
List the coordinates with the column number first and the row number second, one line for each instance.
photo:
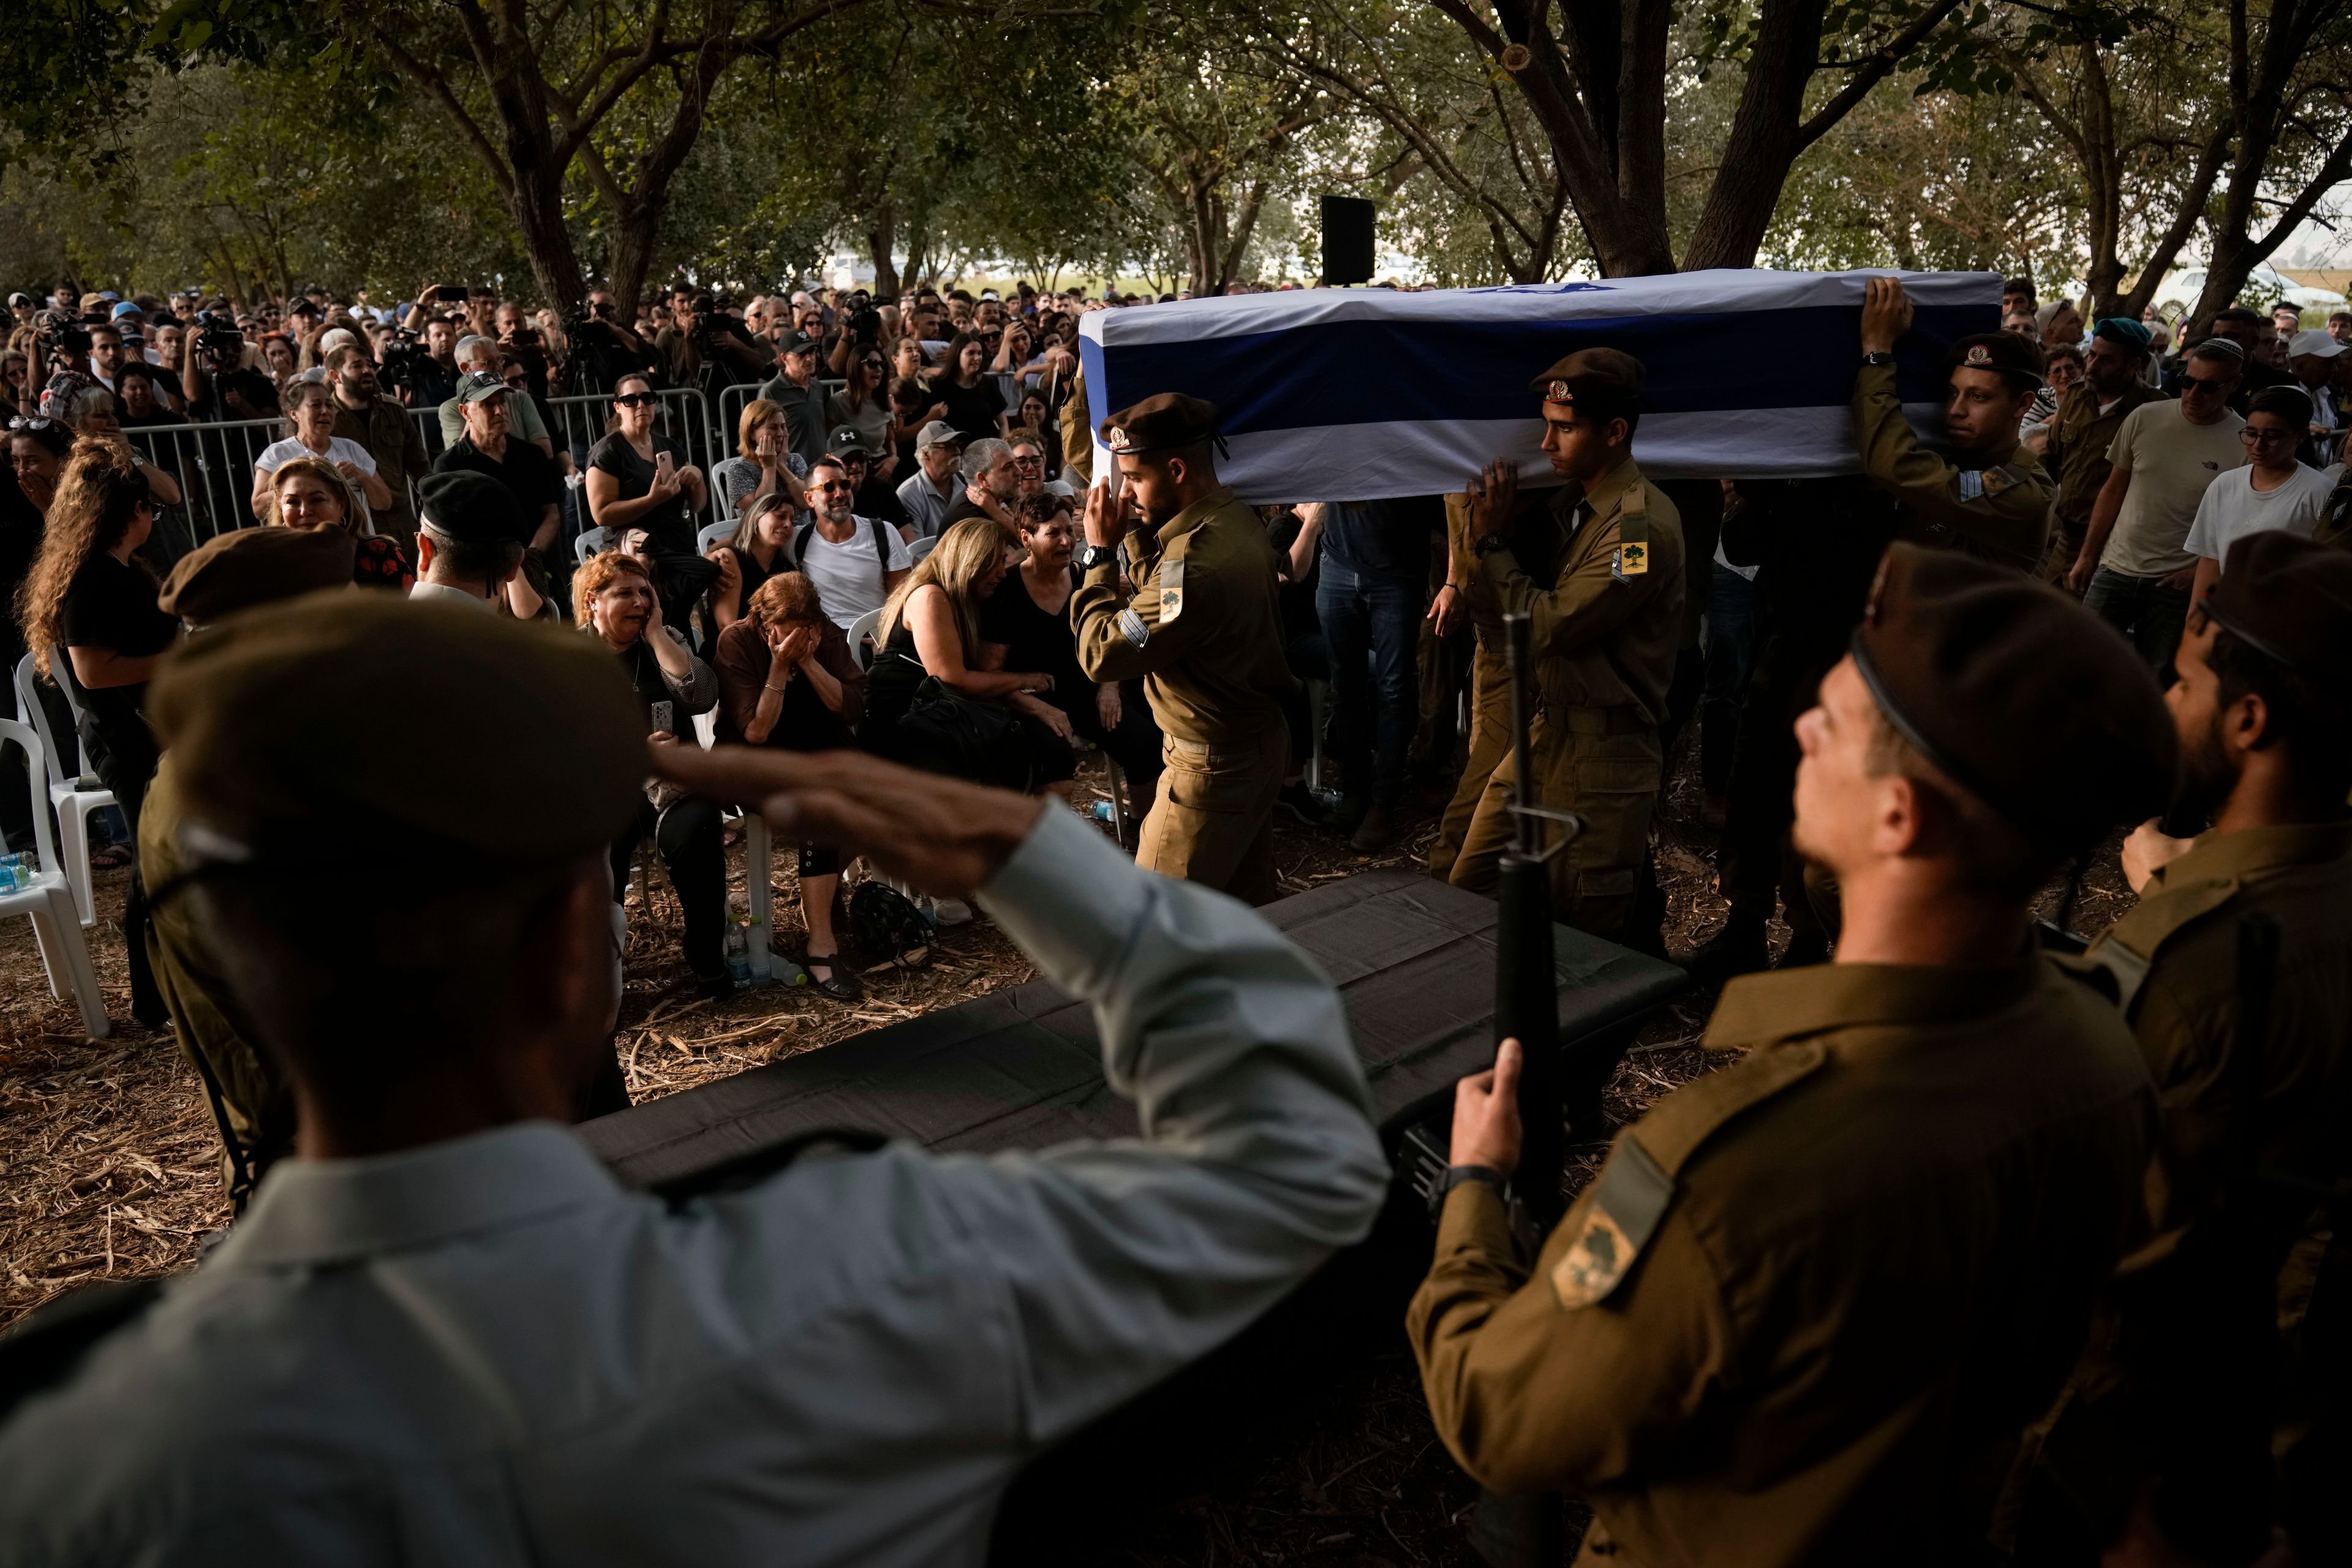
column 947, row 732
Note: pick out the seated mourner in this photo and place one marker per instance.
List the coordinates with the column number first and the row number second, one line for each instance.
column 444, row 1333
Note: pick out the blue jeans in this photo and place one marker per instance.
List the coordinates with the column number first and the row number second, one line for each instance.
column 1373, row 628
column 2144, row 610
column 1731, row 654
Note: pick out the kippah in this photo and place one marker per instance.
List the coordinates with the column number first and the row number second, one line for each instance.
column 1960, row 654
column 367, row 731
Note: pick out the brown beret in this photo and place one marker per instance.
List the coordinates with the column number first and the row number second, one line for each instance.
column 2289, row 599
column 376, row 731
column 1609, row 379
column 256, row 566
column 2018, row 694
column 1159, row 423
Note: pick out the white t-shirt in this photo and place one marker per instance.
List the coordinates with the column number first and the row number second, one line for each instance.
column 2170, row 461
column 847, row 582
column 339, row 449
column 2234, row 508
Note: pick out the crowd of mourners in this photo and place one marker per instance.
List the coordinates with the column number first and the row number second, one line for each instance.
column 1978, row 1250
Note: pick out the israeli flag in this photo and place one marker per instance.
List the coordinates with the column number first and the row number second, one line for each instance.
column 1362, row 394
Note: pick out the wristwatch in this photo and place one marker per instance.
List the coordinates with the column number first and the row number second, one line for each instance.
column 1093, row 555
column 1484, row 1175
column 1878, row 356
column 1488, row 543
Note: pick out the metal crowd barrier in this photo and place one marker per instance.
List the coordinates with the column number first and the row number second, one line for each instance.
column 212, row 465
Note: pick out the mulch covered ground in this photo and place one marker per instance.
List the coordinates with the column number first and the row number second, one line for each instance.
column 108, row 1165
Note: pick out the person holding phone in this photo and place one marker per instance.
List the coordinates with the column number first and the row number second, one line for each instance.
column 639, row 476
column 613, row 595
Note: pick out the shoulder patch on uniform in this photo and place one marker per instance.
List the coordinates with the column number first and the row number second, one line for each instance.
column 1172, row 590
column 1678, row 1125
column 1633, row 544
column 2006, row 476
column 1627, row 1203
column 1973, row 484
column 1131, row 628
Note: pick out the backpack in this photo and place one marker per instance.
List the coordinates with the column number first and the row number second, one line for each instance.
column 881, row 548
column 884, row 922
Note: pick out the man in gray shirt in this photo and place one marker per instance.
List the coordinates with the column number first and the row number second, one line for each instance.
column 443, row 1332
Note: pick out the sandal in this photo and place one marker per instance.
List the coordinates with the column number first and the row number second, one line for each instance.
column 838, row 982
column 109, row 857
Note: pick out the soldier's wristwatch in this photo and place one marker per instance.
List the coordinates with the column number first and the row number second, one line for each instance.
column 1488, row 543
column 1093, row 555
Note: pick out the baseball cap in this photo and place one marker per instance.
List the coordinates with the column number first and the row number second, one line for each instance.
column 938, row 433
column 848, row 440
column 479, row 386
column 797, row 342
column 2314, row 340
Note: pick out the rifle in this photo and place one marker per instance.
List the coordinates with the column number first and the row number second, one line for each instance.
column 1527, row 996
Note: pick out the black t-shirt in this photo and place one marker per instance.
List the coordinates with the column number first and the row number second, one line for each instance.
column 1034, row 637
column 878, row 497
column 1295, row 601
column 528, row 473
column 972, row 410
column 617, row 457
column 110, row 603
column 1389, row 539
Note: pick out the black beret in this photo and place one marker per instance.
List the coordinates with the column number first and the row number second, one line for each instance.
column 1160, row 423
column 1608, row 380
column 373, row 733
column 2289, row 599
column 251, row 566
column 2018, row 694
column 2010, row 353
column 473, row 509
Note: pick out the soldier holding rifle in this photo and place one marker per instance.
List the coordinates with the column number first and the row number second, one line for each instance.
column 1811, row 1299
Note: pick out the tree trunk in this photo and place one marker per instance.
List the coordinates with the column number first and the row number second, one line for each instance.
column 881, row 236
column 1763, row 144
column 537, row 208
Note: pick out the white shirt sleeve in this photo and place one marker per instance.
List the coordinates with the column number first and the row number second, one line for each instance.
column 1123, row 1260
column 2205, row 531
column 901, row 558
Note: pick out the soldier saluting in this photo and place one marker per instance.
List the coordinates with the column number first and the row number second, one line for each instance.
column 1204, row 631
column 1600, row 567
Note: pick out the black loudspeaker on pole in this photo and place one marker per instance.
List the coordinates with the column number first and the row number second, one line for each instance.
column 1347, row 240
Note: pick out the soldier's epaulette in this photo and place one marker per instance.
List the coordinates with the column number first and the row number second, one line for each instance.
column 2004, row 477
column 2128, row 949
column 1631, row 1196
column 1632, row 557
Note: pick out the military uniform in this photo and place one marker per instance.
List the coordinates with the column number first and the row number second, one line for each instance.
column 1604, row 639
column 1204, row 632
column 1490, row 690
column 1812, row 1298
column 2188, row 1375
column 2080, row 435
column 1999, row 513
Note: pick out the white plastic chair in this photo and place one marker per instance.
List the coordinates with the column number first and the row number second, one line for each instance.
column 923, row 546
column 49, row 901
column 860, row 630
column 72, row 799
column 716, row 533
column 591, row 541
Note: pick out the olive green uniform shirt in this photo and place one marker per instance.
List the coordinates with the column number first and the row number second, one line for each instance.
column 1813, row 1298
column 2076, row 448
column 1203, row 630
column 1607, row 630
column 2000, row 513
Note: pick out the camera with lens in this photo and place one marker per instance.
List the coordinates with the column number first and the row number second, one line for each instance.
column 62, row 331
column 218, row 338
column 864, row 325
column 403, row 360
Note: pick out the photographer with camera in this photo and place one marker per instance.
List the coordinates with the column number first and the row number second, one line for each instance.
column 603, row 348
column 704, row 347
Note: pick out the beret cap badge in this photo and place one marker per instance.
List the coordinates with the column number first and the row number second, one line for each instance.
column 1979, row 355
column 1557, row 391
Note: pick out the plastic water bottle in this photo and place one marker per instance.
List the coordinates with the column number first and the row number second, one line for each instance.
column 1103, row 811
column 738, row 953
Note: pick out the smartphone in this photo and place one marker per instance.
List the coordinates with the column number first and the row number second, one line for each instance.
column 450, row 293
column 663, row 464
column 660, row 719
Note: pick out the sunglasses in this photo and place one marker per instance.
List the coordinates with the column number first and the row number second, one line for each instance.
column 25, row 422
column 634, row 400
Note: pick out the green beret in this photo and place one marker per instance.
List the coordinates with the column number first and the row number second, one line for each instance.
column 2008, row 353
column 473, row 509
column 2289, row 599
column 1608, row 381
column 376, row 732
column 1961, row 655
column 2125, row 332
column 250, row 566
column 1160, row 423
